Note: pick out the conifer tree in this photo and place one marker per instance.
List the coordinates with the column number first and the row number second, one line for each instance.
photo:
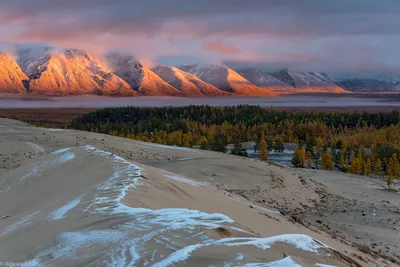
column 361, row 155
column 367, row 167
column 310, row 148
column 378, row 168
column 219, row 143
column 279, row 144
column 298, row 159
column 263, row 147
column 327, row 163
column 308, row 160
column 203, row 144
column 239, row 150
column 393, row 168
column 186, row 141
column 355, row 166
column 319, row 143
column 344, row 146
column 342, row 162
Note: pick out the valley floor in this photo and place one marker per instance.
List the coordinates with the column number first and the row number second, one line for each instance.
column 321, row 102
column 91, row 199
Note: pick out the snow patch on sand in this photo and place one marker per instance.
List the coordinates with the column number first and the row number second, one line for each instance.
column 55, row 130
column 63, row 150
column 71, row 241
column 185, row 159
column 21, row 223
column 184, row 180
column 271, row 211
column 239, row 257
column 300, row 241
column 62, row 156
column 119, row 247
column 35, row 169
column 61, row 212
column 323, row 265
column 164, row 146
column 143, row 234
column 170, row 147
column 107, row 199
column 175, row 218
column 285, row 262
column 178, row 256
column 109, row 195
column 36, row 148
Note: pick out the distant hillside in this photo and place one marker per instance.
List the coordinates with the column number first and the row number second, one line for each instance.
column 68, row 72
column 265, row 80
column 187, row 83
column 139, row 77
column 11, row 76
column 226, row 79
column 44, row 70
column 369, row 85
column 308, row 82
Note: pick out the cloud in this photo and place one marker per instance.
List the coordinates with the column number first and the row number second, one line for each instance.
column 331, row 35
column 220, row 47
column 8, row 49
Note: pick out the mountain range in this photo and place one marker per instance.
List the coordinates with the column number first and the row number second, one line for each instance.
column 369, row 85
column 62, row 72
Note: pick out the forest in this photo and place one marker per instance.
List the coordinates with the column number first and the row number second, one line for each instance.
column 360, row 143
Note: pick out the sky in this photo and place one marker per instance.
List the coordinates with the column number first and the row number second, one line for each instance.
column 341, row 37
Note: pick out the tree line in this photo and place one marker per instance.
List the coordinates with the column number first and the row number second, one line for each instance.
column 361, row 143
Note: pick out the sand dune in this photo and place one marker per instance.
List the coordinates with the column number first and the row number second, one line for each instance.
column 76, row 198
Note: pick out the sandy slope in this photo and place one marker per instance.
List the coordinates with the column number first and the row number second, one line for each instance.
column 359, row 209
column 80, row 198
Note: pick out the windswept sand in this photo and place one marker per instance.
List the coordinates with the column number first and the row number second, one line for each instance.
column 76, row 198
